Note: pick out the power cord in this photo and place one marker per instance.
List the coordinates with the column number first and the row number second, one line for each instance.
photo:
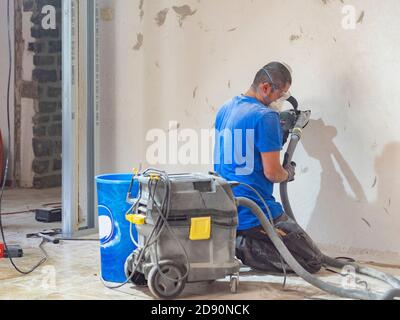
column 166, row 223
column 5, row 172
column 163, row 210
column 359, row 282
column 140, row 257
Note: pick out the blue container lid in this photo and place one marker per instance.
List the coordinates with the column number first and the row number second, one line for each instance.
column 119, row 178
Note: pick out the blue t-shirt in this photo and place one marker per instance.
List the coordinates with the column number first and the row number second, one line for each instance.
column 245, row 128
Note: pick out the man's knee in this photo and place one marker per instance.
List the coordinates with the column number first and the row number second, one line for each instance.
column 301, row 245
column 257, row 255
column 263, row 254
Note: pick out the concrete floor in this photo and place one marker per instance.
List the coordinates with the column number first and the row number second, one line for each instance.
column 72, row 270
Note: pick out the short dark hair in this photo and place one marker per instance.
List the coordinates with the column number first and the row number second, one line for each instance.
column 278, row 73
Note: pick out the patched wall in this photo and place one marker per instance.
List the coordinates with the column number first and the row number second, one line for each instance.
column 165, row 61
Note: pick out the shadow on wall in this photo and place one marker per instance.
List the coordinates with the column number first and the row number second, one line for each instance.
column 339, row 216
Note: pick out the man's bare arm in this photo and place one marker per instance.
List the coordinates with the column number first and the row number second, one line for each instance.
column 273, row 169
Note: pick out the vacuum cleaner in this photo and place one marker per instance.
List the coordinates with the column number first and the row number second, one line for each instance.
column 186, row 226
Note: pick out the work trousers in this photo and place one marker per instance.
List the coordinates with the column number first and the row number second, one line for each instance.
column 256, row 250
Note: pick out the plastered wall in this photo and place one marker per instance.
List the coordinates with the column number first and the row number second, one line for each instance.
column 180, row 60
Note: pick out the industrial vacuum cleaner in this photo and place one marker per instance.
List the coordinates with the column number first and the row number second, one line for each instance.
column 186, row 226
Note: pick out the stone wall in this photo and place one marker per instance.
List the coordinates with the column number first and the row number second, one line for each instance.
column 45, row 89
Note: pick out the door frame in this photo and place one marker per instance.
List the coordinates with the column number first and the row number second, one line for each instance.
column 80, row 104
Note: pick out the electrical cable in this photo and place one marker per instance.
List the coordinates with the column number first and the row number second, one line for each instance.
column 148, row 243
column 166, row 199
column 162, row 221
column 164, row 214
column 132, row 237
column 347, row 259
column 140, row 257
column 77, row 240
column 159, row 223
column 133, row 209
column 360, row 282
column 5, row 172
column 142, row 252
column 284, row 272
column 166, row 223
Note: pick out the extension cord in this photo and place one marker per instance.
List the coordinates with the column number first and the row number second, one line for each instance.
column 12, row 251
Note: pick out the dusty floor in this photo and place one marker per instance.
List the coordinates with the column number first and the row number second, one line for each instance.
column 72, row 270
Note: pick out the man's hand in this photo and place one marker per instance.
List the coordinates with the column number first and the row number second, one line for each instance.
column 291, row 170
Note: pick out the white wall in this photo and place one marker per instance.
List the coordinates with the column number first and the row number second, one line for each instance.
column 348, row 182
column 4, row 65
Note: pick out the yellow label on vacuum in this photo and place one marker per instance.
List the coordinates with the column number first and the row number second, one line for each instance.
column 136, row 218
column 200, row 229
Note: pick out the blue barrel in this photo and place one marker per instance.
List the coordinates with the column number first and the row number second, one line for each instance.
column 115, row 242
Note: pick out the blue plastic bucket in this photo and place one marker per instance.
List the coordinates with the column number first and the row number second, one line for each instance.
column 115, row 241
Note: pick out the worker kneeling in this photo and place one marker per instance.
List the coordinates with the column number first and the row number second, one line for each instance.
column 249, row 140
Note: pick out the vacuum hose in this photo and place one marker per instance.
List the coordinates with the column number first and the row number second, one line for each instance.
column 301, row 272
column 302, row 121
column 296, row 136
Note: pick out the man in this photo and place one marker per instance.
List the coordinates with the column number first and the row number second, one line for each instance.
column 248, row 145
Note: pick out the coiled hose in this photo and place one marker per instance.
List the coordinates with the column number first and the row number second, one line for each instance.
column 301, row 272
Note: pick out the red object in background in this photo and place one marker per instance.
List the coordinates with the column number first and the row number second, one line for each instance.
column 2, row 250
